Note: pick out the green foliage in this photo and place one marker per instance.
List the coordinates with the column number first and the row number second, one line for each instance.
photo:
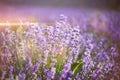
column 60, row 63
column 77, row 66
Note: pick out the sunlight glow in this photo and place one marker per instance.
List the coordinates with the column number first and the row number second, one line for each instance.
column 16, row 23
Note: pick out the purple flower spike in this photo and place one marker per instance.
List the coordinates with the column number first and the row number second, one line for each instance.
column 22, row 76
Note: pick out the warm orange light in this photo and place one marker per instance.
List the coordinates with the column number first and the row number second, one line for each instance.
column 17, row 24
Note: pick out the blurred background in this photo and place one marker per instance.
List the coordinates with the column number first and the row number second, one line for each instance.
column 36, row 8
column 51, row 8
column 105, row 4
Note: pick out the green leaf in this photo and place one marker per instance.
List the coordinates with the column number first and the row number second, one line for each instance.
column 76, row 66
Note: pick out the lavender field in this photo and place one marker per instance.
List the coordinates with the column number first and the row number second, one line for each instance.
column 83, row 46
column 59, row 40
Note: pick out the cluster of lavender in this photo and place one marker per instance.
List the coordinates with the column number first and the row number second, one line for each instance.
column 60, row 52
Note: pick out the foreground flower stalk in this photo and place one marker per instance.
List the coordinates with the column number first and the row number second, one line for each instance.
column 64, row 51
